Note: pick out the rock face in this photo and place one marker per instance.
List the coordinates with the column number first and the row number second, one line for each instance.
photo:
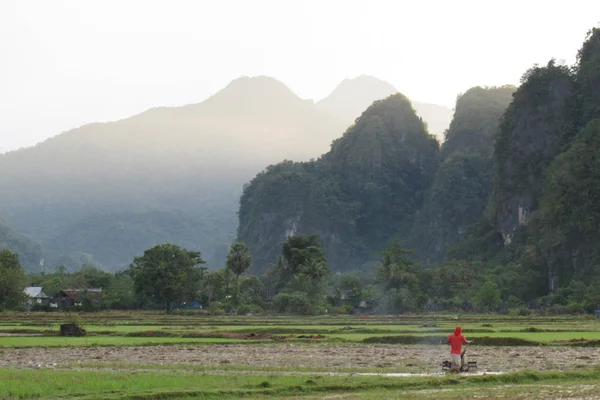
column 71, row 330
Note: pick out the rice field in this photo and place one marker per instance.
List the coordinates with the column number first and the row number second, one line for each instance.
column 154, row 356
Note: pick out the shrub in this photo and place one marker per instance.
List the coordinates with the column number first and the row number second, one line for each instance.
column 346, row 309
column 244, row 309
column 37, row 307
column 295, row 303
column 521, row 311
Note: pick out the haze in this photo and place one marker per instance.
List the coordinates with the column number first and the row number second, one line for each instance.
column 68, row 63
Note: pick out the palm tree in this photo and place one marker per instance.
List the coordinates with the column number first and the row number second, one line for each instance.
column 238, row 260
column 316, row 270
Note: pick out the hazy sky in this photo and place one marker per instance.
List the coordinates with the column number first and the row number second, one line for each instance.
column 70, row 62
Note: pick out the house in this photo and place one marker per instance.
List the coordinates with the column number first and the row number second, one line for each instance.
column 35, row 295
column 76, row 297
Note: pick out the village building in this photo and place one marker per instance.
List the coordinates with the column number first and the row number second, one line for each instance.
column 35, row 295
column 68, row 298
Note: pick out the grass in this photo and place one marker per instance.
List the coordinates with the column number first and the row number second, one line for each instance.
column 48, row 384
column 140, row 328
column 95, row 379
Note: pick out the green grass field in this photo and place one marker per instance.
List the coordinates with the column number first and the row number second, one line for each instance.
column 289, row 357
column 36, row 384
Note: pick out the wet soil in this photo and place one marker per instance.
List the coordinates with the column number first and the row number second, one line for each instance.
column 418, row 359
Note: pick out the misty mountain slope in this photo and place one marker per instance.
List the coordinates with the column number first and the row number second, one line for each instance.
column 192, row 159
column 352, row 96
column 118, row 237
column 30, row 253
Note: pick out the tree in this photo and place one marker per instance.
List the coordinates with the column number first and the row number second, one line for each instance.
column 238, row 260
column 315, row 270
column 12, row 280
column 398, row 281
column 213, row 285
column 120, row 293
column 297, row 253
column 252, row 290
column 488, row 295
column 166, row 273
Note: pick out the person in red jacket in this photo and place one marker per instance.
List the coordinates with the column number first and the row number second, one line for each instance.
column 456, row 341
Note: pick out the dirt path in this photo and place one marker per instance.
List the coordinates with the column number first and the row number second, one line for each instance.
column 417, row 359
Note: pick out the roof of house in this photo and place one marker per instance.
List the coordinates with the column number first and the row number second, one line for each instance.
column 95, row 295
column 35, row 291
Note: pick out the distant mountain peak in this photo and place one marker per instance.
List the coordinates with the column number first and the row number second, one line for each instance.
column 264, row 86
column 364, row 86
column 250, row 95
column 354, row 95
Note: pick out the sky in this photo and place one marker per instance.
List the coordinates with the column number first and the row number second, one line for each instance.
column 66, row 63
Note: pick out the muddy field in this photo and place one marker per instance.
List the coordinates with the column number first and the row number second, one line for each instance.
column 330, row 356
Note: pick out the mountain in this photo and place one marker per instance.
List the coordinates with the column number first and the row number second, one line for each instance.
column 542, row 215
column 384, row 178
column 352, row 96
column 463, row 181
column 111, row 190
column 356, row 197
column 536, row 128
column 476, row 119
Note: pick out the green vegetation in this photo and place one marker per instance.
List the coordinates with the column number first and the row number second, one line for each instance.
column 166, row 273
column 238, row 261
column 569, row 213
column 151, row 385
column 11, row 280
column 139, row 328
column 476, row 118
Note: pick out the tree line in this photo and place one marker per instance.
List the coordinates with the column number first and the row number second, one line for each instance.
column 166, row 276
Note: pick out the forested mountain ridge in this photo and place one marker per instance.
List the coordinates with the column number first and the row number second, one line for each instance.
column 381, row 179
column 477, row 115
column 542, row 214
column 365, row 190
column 514, row 188
column 463, row 181
column 535, row 128
column 352, row 96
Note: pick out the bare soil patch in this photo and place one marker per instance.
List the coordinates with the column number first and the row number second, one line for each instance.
column 418, row 359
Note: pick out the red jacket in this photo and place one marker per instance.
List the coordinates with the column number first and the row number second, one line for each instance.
column 456, row 340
